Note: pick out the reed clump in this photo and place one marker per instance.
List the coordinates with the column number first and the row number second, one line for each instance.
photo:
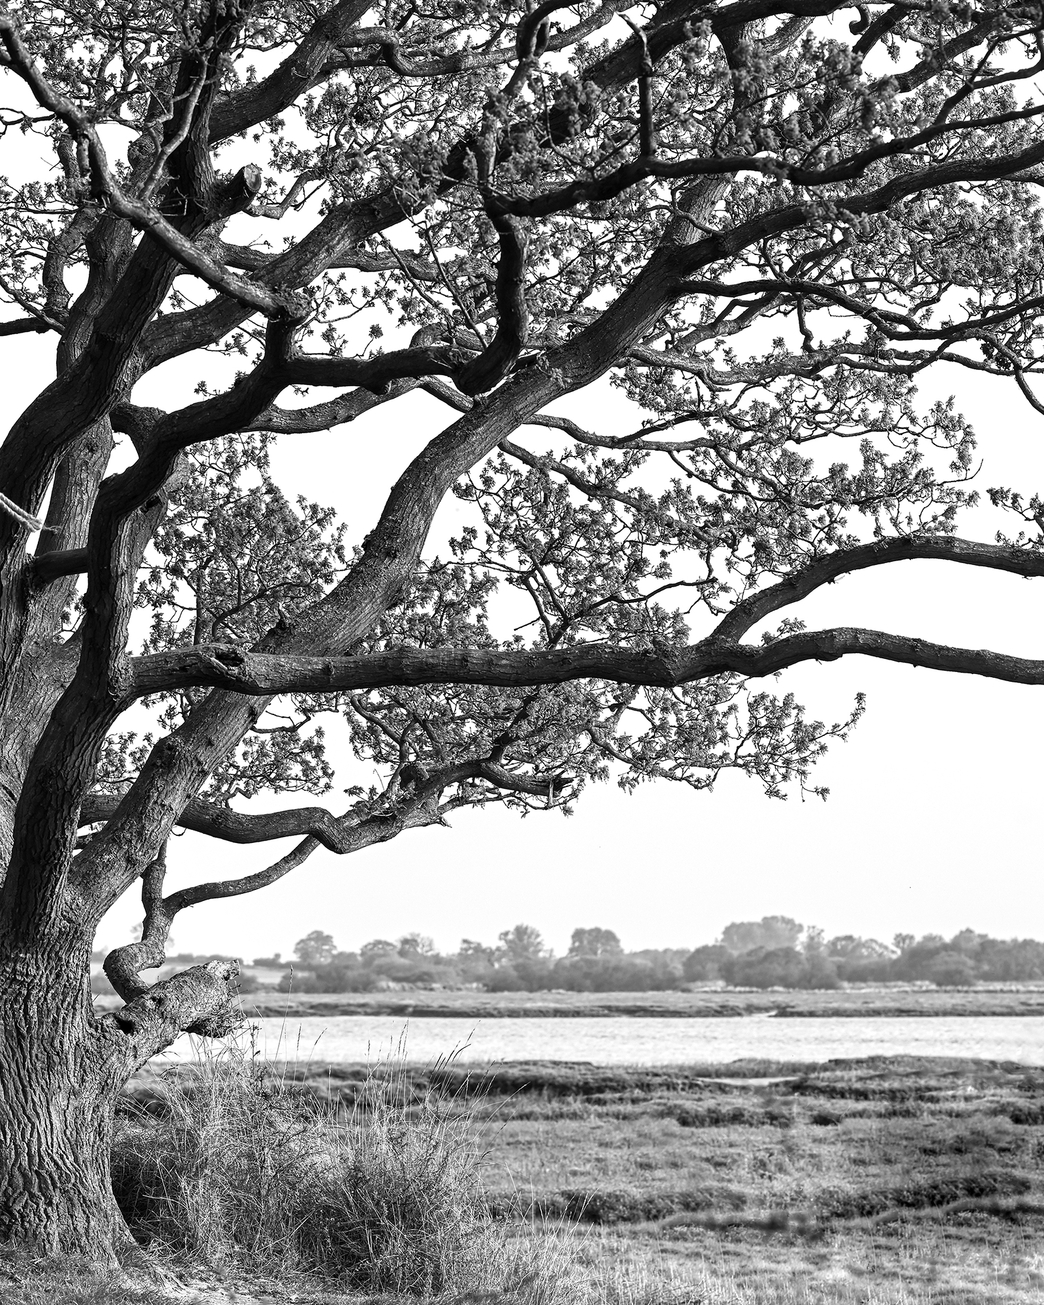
column 228, row 1166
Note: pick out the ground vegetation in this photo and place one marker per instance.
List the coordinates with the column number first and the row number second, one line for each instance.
column 898, row 1181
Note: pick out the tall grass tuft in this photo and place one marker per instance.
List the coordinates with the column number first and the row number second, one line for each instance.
column 406, row 1212
column 231, row 1166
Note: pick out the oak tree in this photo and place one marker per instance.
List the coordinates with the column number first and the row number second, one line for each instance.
column 758, row 220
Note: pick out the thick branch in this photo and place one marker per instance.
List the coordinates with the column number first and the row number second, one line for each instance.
column 25, row 325
column 236, row 826
column 334, row 412
column 302, row 69
column 198, row 1001
column 51, row 566
column 495, row 361
column 374, row 373
column 146, row 217
column 123, row 965
column 264, row 674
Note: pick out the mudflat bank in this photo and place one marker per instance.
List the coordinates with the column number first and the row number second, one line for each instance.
column 854, row 1002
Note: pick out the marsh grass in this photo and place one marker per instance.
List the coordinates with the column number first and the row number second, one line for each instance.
column 873, row 1184
column 227, row 1165
column 896, row 1182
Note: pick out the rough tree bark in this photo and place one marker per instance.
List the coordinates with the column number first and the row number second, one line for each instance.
column 589, row 190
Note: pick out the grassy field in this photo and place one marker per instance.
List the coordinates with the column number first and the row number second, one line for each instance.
column 890, row 1001
column 883, row 1182
column 888, row 1182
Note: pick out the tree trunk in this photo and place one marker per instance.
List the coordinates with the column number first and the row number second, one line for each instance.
column 60, row 1074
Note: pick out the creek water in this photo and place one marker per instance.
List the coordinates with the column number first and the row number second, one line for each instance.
column 637, row 1040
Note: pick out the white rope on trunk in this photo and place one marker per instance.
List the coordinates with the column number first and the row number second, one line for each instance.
column 19, row 513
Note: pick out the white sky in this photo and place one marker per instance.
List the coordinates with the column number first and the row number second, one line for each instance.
column 933, row 820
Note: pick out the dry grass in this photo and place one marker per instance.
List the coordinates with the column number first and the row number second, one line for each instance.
column 226, row 1167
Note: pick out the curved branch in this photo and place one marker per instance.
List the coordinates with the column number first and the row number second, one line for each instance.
column 239, row 827
column 146, row 217
column 883, row 552
column 248, row 884
column 334, row 412
column 123, row 965
column 830, row 645
column 342, row 231
column 495, row 361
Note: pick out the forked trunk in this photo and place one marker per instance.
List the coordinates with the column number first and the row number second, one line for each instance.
column 58, row 1089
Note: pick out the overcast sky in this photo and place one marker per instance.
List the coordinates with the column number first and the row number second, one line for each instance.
column 932, row 824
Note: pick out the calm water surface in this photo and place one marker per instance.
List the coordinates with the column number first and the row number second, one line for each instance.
column 644, row 1041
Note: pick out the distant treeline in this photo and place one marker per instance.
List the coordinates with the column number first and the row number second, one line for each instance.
column 772, row 952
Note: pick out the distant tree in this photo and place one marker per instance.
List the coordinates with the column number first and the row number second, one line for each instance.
column 472, row 950
column 527, row 974
column 770, row 932
column 316, row 948
column 269, row 961
column 820, row 972
column 594, row 942
column 376, row 948
column 969, row 942
column 950, row 969
column 813, row 941
column 914, row 959
column 414, row 969
column 416, row 944
column 522, row 943
column 705, row 963
column 778, row 967
column 860, row 960
column 330, row 978
column 1014, row 959
column 613, row 973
